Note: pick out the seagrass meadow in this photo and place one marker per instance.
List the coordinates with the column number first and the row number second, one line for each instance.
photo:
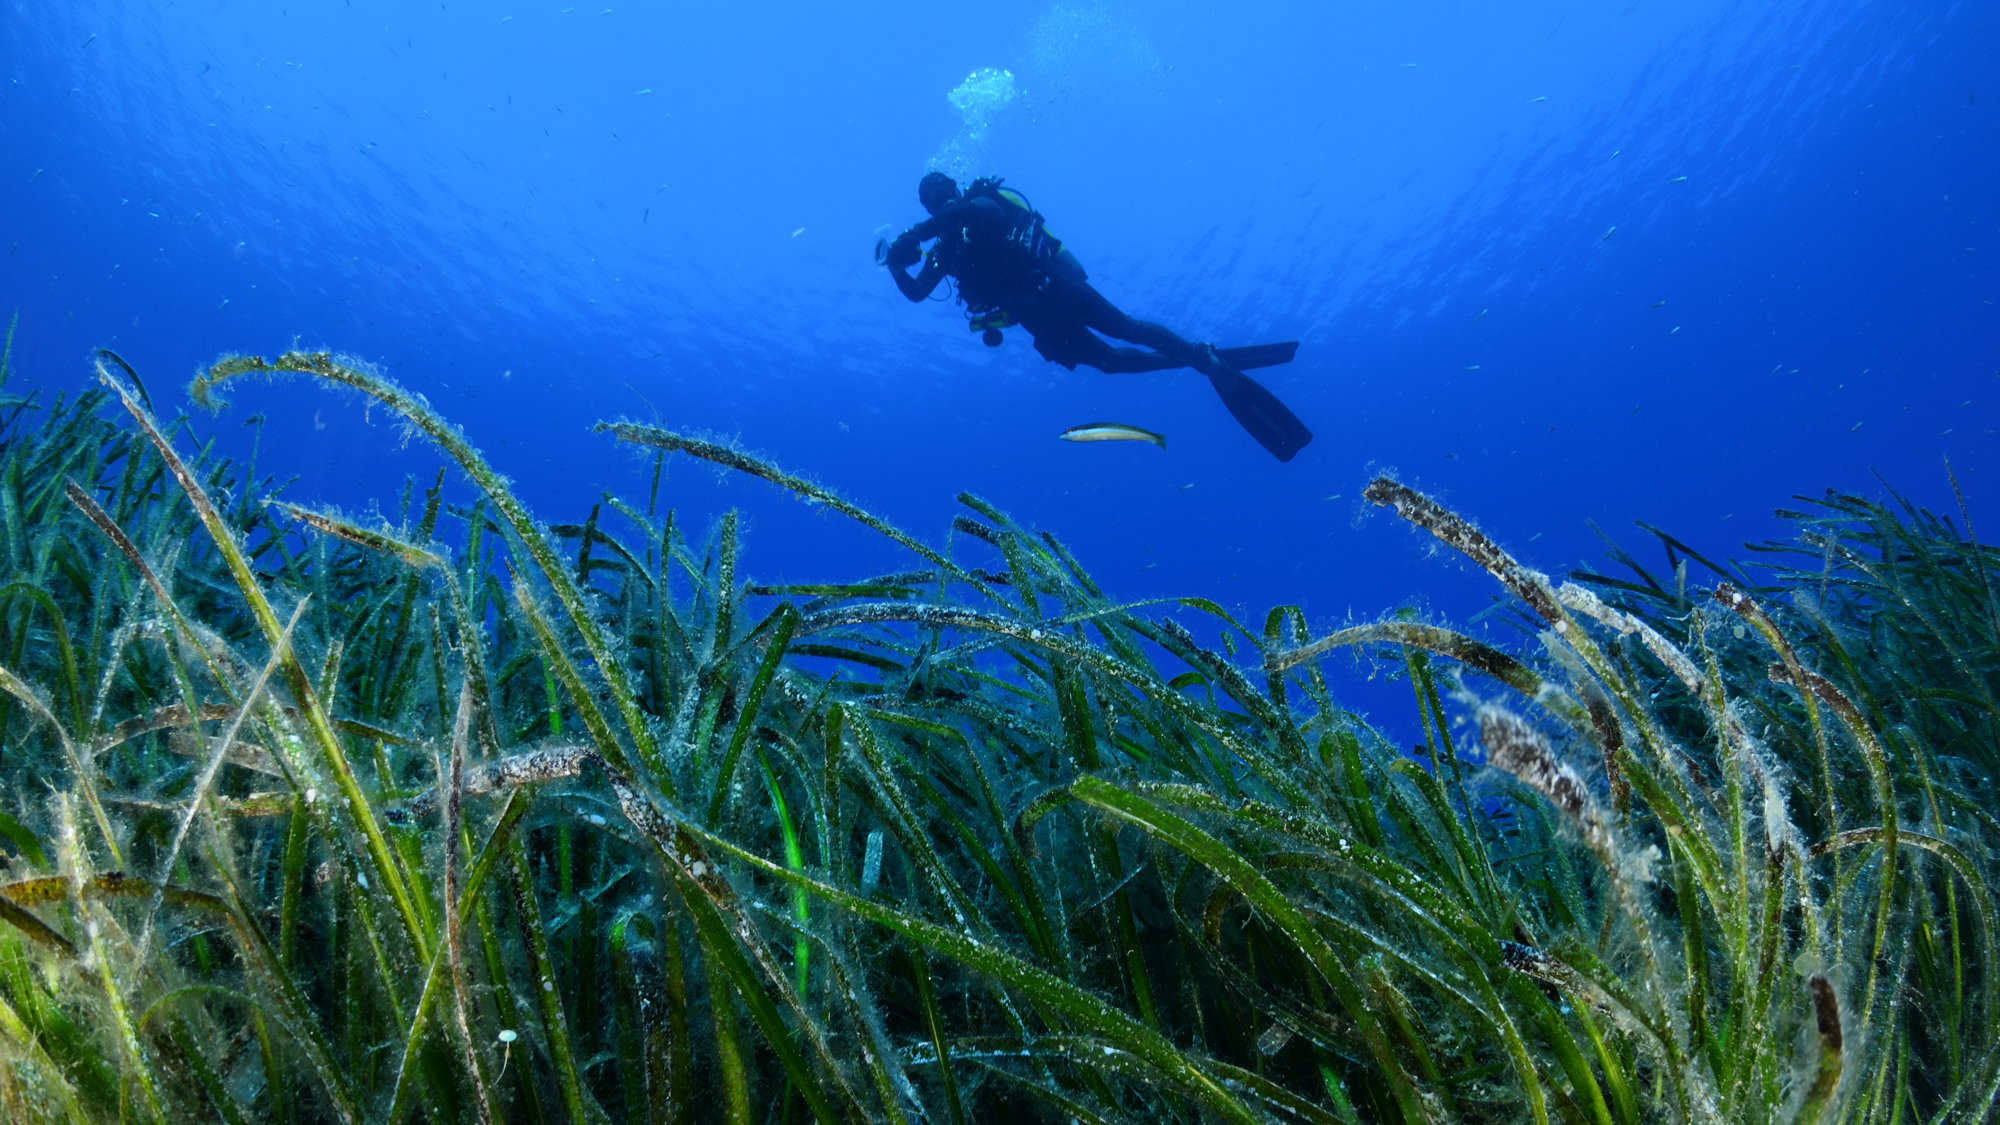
column 455, row 816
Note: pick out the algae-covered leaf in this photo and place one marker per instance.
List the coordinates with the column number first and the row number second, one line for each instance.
column 1131, row 900
column 27, row 841
column 1209, row 607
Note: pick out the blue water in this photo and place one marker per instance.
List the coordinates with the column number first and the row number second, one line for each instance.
column 542, row 214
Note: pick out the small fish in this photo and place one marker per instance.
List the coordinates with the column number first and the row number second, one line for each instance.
column 1532, row 101
column 1607, row 234
column 1677, row 328
column 1535, row 536
column 1112, row 431
column 1474, row 367
column 1482, row 312
column 1678, row 180
column 798, row 232
column 1147, row 567
column 1335, row 496
column 1657, row 305
column 1615, row 152
column 1184, row 488
column 1854, row 427
column 647, row 90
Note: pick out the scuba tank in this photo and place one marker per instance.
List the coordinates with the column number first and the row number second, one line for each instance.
column 1027, row 250
column 1019, row 267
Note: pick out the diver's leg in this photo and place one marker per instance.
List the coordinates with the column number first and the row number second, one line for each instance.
column 1169, row 350
column 1086, row 347
column 1256, row 409
column 1134, row 361
column 1087, row 350
column 1078, row 346
column 1069, row 343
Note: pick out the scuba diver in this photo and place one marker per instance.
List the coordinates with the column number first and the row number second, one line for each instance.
column 1011, row 271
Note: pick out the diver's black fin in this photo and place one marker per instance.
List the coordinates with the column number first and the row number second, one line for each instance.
column 1259, row 355
column 1259, row 411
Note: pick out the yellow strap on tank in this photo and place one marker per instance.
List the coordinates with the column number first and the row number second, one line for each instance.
column 1014, row 197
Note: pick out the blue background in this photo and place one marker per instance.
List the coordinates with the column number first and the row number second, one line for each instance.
column 542, row 214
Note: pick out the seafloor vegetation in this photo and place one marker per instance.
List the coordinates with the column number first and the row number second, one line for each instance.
column 314, row 818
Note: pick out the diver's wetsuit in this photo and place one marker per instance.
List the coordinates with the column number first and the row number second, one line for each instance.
column 1058, row 308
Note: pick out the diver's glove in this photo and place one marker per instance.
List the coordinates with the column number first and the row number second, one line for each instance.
column 904, row 252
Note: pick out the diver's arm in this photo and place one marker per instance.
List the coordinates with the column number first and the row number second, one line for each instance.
column 959, row 214
column 919, row 287
column 956, row 217
column 951, row 218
